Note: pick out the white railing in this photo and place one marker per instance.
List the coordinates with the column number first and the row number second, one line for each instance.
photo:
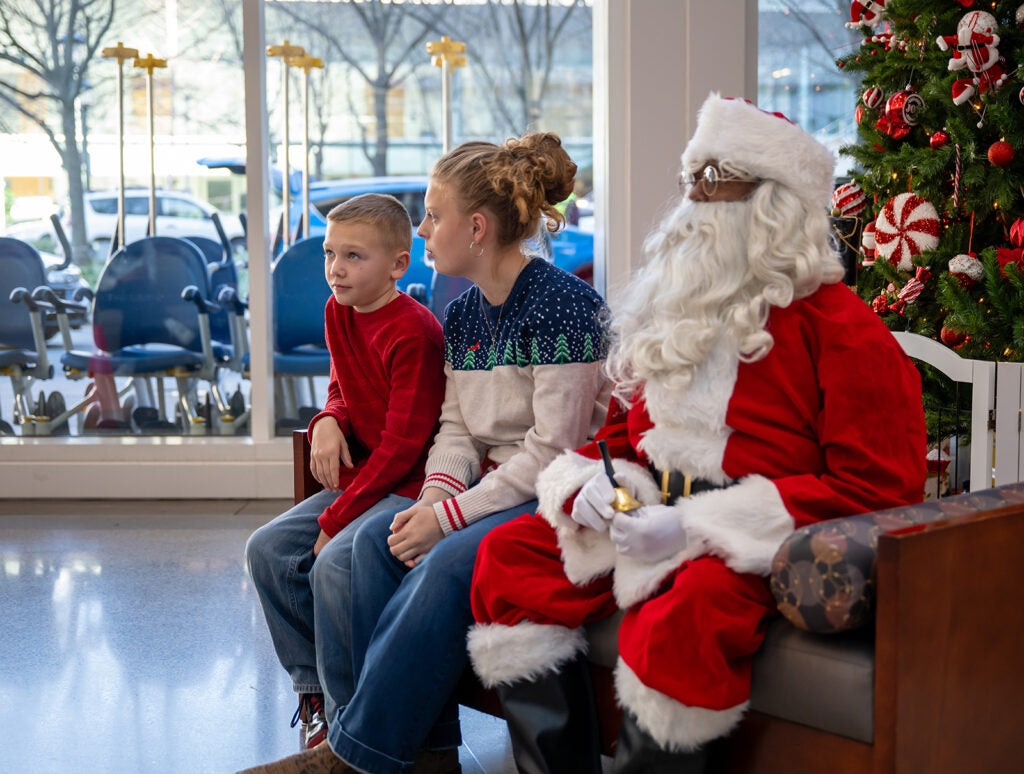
column 997, row 398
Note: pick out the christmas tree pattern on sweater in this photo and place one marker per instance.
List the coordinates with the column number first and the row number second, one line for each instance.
column 550, row 317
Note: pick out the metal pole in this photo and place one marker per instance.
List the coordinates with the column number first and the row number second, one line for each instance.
column 120, row 53
column 446, row 106
column 305, row 63
column 286, row 51
column 286, row 177
column 150, row 63
column 446, row 54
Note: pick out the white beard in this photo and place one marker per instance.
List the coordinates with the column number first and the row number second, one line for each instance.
column 696, row 294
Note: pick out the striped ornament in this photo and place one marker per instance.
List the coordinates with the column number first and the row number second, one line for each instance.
column 873, row 97
column 907, row 226
column 848, row 200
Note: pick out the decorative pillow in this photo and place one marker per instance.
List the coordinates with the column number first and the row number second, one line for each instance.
column 823, row 575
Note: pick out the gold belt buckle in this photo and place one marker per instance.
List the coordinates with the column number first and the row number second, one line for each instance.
column 687, row 483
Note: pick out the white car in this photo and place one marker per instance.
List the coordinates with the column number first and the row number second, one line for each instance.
column 178, row 214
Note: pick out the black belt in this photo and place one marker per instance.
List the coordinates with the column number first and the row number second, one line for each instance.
column 675, row 484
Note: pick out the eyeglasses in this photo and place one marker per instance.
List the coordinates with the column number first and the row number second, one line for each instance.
column 708, row 177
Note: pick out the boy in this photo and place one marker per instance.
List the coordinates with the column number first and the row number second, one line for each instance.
column 369, row 445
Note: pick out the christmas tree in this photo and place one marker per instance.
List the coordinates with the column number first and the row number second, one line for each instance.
column 938, row 187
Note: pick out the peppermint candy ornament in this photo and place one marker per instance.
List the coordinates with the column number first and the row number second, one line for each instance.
column 848, row 200
column 909, row 293
column 907, row 226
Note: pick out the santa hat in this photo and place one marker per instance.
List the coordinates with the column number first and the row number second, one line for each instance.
column 766, row 145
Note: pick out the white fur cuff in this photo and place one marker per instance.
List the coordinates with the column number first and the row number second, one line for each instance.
column 586, row 553
column 744, row 524
column 506, row 654
column 673, row 725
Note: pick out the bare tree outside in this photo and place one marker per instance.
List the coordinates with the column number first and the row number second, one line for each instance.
column 383, row 43
column 834, row 40
column 53, row 45
column 515, row 47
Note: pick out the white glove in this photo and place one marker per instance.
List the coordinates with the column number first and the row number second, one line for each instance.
column 593, row 505
column 650, row 533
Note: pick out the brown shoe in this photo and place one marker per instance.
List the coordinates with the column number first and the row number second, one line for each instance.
column 437, row 762
column 318, row 760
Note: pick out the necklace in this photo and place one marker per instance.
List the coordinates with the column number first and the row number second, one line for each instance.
column 493, row 330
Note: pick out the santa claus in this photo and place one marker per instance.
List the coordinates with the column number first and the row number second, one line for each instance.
column 746, row 373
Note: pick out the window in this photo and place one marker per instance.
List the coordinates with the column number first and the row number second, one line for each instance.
column 356, row 130
column 798, row 43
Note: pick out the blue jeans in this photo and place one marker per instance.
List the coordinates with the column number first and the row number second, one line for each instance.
column 307, row 603
column 408, row 645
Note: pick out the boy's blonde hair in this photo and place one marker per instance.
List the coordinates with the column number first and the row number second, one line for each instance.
column 381, row 211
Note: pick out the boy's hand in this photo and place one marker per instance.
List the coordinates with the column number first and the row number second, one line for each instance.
column 327, row 448
column 414, row 532
column 321, row 541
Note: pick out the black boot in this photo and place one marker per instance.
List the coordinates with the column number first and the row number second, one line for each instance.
column 553, row 722
column 638, row 753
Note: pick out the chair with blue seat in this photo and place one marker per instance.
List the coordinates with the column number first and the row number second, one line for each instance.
column 24, row 320
column 300, row 348
column 151, row 319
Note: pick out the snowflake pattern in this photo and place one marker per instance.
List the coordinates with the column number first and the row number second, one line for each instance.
column 549, row 317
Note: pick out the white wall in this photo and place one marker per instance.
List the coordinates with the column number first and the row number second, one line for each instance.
column 655, row 61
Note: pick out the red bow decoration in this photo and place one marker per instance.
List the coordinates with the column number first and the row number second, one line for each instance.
column 1006, row 256
column 908, row 293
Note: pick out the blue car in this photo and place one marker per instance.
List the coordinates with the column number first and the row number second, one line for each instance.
column 570, row 248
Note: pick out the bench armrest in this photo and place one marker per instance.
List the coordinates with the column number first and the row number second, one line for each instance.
column 824, row 575
column 303, row 481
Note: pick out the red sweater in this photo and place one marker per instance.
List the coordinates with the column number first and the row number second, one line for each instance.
column 387, row 385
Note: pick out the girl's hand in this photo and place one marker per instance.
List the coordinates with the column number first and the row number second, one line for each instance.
column 414, row 532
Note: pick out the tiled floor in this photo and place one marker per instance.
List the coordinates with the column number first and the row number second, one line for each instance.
column 131, row 641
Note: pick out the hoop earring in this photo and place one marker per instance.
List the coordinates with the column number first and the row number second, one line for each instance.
column 473, row 245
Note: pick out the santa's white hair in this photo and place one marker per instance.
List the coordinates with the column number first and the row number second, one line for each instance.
column 713, row 272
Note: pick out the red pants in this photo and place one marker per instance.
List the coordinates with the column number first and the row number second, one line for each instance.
column 692, row 640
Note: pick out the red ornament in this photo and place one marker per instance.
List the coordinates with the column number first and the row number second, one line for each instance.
column 902, row 110
column 848, row 200
column 879, row 304
column 1000, row 153
column 938, row 139
column 858, row 114
column 873, row 97
column 907, row 226
column 952, row 338
column 1017, row 233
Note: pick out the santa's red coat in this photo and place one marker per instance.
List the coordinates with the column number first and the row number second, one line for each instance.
column 830, row 423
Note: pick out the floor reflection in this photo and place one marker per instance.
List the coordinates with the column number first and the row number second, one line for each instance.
column 131, row 641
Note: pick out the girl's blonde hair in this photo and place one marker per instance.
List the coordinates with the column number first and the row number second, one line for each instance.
column 518, row 181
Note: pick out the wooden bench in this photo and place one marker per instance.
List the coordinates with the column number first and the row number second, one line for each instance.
column 941, row 674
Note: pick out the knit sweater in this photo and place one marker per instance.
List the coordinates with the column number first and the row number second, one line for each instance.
column 524, row 384
column 385, row 391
